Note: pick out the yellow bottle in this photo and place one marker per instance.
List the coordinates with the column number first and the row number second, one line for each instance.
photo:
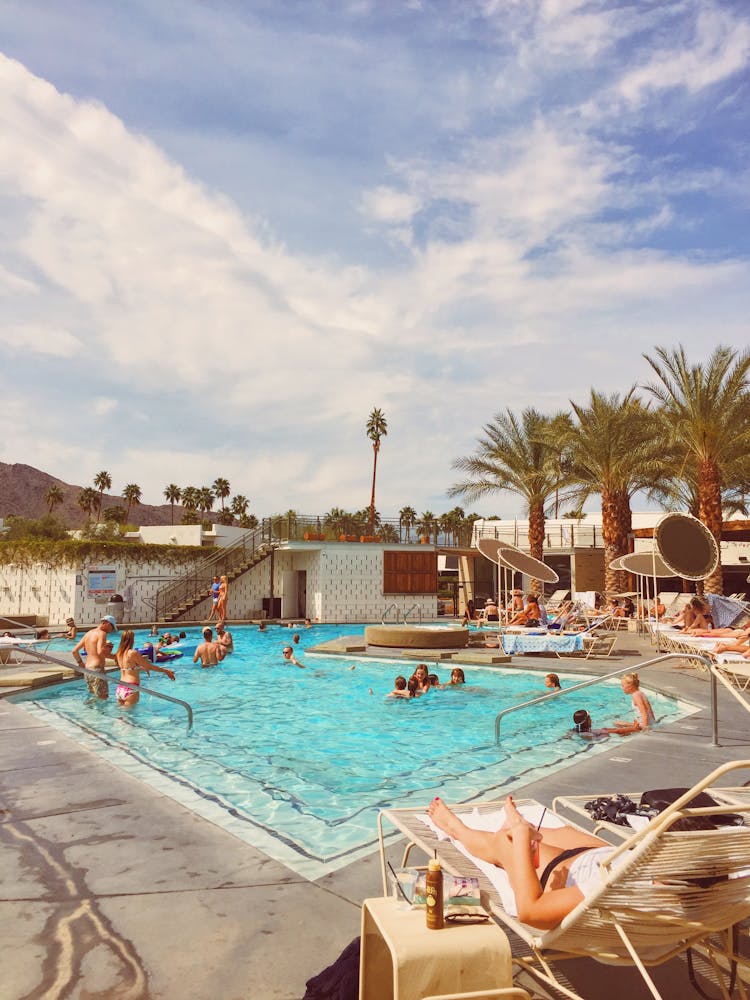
column 434, row 895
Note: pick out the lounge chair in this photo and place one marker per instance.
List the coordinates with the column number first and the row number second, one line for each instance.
column 734, row 674
column 668, row 892
column 553, row 602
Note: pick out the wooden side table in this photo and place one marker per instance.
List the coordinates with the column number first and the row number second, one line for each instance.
column 401, row 960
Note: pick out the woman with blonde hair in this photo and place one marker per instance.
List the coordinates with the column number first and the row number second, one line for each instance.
column 221, row 604
column 131, row 662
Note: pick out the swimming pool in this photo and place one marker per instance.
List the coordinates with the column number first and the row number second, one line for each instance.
column 298, row 762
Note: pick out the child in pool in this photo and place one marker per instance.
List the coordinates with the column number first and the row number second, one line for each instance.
column 645, row 717
column 423, row 683
column 400, row 689
column 457, row 677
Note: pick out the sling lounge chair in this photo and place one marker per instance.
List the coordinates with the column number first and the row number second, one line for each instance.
column 662, row 892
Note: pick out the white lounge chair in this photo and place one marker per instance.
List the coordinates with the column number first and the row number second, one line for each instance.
column 667, row 892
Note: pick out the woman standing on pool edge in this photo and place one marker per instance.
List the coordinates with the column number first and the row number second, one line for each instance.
column 221, row 604
column 131, row 662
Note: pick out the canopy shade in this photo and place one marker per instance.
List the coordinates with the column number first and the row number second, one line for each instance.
column 645, row 564
column 511, row 557
column 616, row 563
column 686, row 546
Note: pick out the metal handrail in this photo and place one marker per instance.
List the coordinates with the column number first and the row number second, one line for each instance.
column 393, row 606
column 407, row 613
column 616, row 673
column 98, row 675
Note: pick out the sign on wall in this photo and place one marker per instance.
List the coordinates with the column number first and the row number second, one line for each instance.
column 102, row 580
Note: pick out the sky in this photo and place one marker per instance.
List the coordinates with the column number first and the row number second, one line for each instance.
column 233, row 227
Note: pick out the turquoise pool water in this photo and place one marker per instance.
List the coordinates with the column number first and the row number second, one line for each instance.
column 298, row 762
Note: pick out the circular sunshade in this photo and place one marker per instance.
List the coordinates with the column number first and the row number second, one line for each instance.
column 646, row 564
column 686, row 546
column 511, row 557
column 514, row 558
column 616, row 563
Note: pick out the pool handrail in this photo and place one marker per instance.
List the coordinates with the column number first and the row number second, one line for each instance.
column 98, row 675
column 391, row 607
column 616, row 673
column 416, row 606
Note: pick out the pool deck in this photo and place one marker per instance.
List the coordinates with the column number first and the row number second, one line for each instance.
column 111, row 889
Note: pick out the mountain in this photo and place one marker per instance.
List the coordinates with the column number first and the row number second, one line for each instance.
column 23, row 488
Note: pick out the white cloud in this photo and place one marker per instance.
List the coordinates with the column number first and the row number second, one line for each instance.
column 39, row 339
column 720, row 49
column 102, row 406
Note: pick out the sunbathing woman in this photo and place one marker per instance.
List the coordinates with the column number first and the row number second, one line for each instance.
column 548, row 869
column 131, row 662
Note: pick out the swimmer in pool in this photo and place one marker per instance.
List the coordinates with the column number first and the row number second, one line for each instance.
column 457, row 677
column 423, row 682
column 400, row 690
column 288, row 654
column 131, row 662
column 548, row 869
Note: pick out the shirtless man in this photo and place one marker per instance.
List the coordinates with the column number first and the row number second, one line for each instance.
column 289, row 657
column 210, row 653
column 95, row 643
column 224, row 638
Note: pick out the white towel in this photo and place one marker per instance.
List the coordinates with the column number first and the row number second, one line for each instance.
column 490, row 822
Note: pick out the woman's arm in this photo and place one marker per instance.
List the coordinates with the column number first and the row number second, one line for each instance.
column 540, row 909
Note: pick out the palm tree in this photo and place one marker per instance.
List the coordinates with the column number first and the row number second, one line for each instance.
column 239, row 505
column 708, row 409
column 221, row 490
column 427, row 524
column 407, row 518
column 205, row 499
column 102, row 482
column 172, row 494
column 376, row 428
column 87, row 500
column 336, row 521
column 519, row 457
column 53, row 497
column 132, row 495
column 190, row 498
column 248, row 521
column 616, row 449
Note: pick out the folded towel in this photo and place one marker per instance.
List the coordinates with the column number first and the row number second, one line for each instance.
column 491, row 821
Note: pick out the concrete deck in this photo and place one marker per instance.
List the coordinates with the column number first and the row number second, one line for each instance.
column 110, row 889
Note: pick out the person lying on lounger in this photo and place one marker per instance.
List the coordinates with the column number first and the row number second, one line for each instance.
column 549, row 869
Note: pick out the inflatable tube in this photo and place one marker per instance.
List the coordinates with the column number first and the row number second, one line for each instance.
column 411, row 637
column 165, row 655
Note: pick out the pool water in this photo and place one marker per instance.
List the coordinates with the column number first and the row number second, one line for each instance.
column 298, row 762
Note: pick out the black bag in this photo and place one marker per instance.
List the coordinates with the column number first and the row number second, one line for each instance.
column 340, row 981
column 657, row 800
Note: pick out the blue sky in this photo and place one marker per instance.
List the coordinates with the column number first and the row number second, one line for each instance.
column 231, row 229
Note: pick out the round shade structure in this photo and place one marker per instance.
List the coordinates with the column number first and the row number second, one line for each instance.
column 686, row 546
column 511, row 557
column 522, row 562
column 616, row 563
column 645, row 564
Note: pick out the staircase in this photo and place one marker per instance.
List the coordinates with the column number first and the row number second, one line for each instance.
column 175, row 599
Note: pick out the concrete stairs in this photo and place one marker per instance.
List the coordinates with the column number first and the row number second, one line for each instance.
column 192, row 601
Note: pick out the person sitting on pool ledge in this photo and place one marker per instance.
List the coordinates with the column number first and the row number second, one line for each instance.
column 210, row 653
column 548, row 869
column 288, row 654
column 645, row 717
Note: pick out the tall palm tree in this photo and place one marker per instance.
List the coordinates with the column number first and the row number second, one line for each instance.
column 616, row 449
column 132, row 496
column 336, row 521
column 173, row 495
column 221, row 490
column 205, row 499
column 87, row 500
column 102, row 482
column 53, row 497
column 239, row 505
column 516, row 455
column 427, row 524
column 190, row 498
column 708, row 409
column 376, row 428
column 407, row 518
column 248, row 521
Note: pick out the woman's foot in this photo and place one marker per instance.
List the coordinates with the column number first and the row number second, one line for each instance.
column 443, row 817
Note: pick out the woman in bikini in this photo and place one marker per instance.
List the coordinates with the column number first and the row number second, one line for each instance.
column 548, row 868
column 131, row 662
column 221, row 604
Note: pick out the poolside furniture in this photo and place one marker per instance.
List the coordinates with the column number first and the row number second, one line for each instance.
column 554, row 642
column 662, row 892
column 554, row 601
column 734, row 674
column 401, row 959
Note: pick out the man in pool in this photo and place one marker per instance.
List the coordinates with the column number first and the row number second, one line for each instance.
column 210, row 653
column 95, row 643
column 224, row 637
column 288, row 654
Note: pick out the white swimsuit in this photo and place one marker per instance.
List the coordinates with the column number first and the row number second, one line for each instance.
column 584, row 872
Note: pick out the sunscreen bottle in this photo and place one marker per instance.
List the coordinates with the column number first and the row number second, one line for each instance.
column 434, row 895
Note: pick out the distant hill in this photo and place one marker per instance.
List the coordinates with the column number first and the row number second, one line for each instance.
column 22, row 491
